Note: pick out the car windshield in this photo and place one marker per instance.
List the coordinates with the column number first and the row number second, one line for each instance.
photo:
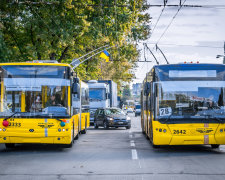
column 190, row 100
column 31, row 95
column 114, row 111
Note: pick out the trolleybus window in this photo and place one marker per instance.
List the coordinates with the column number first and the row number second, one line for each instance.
column 35, row 91
column 190, row 101
column 36, row 71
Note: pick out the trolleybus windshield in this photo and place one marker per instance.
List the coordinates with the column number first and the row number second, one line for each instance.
column 190, row 101
column 34, row 91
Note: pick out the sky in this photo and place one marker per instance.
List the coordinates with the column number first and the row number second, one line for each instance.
column 195, row 34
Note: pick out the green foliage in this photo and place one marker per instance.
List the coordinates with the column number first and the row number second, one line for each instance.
column 68, row 29
column 126, row 93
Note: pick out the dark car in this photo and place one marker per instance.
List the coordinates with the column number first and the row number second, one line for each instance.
column 137, row 110
column 111, row 117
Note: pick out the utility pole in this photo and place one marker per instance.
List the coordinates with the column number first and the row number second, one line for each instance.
column 224, row 54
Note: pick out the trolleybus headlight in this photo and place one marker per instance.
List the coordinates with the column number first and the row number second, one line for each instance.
column 221, row 130
column 160, row 130
column 59, row 130
column 62, row 124
column 164, row 130
column 4, row 129
column 0, row 129
column 63, row 130
column 5, row 123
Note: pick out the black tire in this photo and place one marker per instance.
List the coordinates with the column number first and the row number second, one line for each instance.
column 215, row 146
column 77, row 136
column 10, row 145
column 155, row 146
column 128, row 127
column 105, row 125
column 84, row 131
column 68, row 145
column 95, row 125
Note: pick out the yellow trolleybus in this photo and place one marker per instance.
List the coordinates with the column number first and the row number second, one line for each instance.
column 184, row 104
column 41, row 102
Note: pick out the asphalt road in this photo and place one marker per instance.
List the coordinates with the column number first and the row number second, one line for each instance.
column 112, row 154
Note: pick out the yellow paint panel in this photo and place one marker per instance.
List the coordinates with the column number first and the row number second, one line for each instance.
column 188, row 134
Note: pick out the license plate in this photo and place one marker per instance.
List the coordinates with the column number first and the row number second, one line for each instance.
column 120, row 122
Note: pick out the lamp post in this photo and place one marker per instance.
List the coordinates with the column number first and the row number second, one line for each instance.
column 76, row 62
column 219, row 56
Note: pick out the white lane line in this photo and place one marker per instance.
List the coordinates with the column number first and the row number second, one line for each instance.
column 134, row 154
column 132, row 143
column 139, row 164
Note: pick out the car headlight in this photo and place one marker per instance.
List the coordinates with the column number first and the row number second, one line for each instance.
column 128, row 118
column 110, row 119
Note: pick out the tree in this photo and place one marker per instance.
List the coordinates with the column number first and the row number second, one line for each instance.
column 126, row 93
column 67, row 29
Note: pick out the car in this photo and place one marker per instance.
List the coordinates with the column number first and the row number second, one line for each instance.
column 137, row 110
column 130, row 110
column 111, row 117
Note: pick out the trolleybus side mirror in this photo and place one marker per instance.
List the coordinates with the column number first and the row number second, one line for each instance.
column 107, row 95
column 76, row 80
column 75, row 88
column 147, row 88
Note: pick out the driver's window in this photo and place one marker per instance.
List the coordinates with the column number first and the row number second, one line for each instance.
column 101, row 112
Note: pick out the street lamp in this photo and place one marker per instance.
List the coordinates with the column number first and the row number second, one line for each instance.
column 223, row 56
column 218, row 56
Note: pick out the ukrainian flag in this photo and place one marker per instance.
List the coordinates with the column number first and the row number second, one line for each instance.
column 105, row 55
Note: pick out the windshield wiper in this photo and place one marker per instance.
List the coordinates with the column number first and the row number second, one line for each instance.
column 10, row 116
column 218, row 119
column 168, row 118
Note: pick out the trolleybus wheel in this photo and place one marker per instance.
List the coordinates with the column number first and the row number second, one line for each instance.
column 214, row 146
column 84, row 131
column 155, row 146
column 77, row 136
column 68, row 145
column 10, row 145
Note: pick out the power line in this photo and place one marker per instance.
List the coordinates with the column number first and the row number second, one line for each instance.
column 170, row 22
column 188, row 45
column 118, row 5
column 158, row 20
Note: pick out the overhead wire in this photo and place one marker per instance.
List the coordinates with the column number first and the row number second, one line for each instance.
column 188, row 45
column 153, row 32
column 157, row 21
column 170, row 22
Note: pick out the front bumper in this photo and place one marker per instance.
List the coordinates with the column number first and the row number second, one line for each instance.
column 119, row 124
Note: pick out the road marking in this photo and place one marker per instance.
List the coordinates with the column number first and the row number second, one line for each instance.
column 132, row 143
column 130, row 136
column 134, row 154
